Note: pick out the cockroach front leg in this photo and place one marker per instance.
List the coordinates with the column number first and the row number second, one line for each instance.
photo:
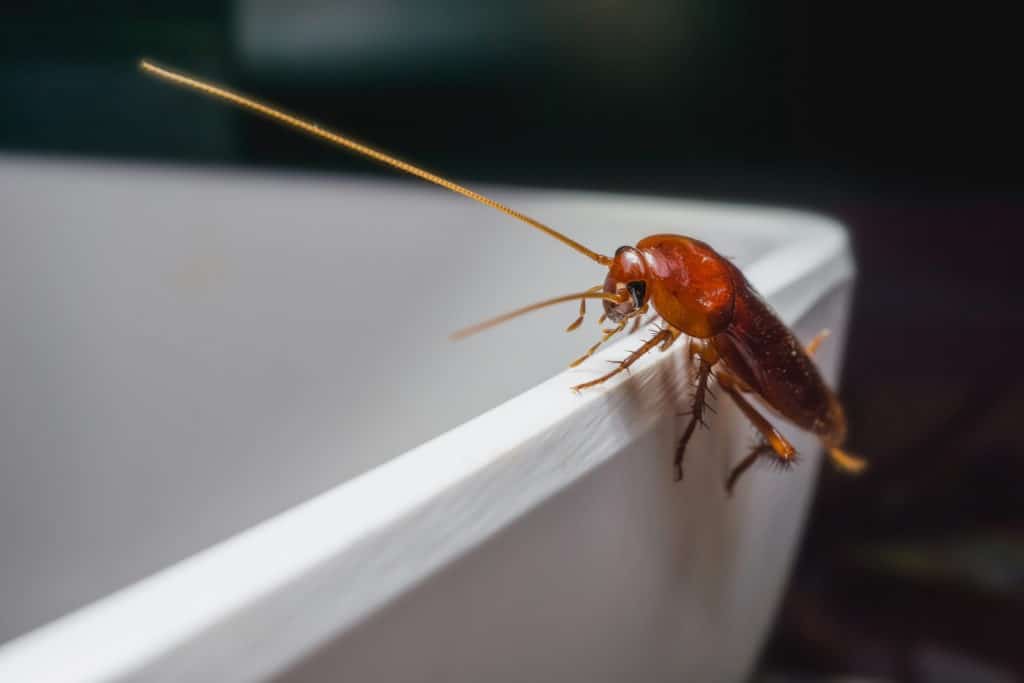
column 583, row 310
column 659, row 338
column 706, row 357
column 579, row 320
column 608, row 334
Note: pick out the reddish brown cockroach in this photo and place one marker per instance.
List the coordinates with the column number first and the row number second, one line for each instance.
column 734, row 337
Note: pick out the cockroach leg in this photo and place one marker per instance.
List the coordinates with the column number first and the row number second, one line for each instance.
column 578, row 321
column 647, row 346
column 812, row 347
column 653, row 319
column 851, row 464
column 727, row 379
column 638, row 318
column 608, row 334
column 759, row 450
column 783, row 448
column 692, row 349
column 583, row 310
column 696, row 411
column 672, row 339
column 779, row 445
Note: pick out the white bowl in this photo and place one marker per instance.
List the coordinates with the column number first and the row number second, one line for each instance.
column 235, row 441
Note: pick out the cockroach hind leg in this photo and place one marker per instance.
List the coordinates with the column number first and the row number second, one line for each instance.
column 777, row 462
column 845, row 462
column 770, row 442
column 812, row 346
column 760, row 449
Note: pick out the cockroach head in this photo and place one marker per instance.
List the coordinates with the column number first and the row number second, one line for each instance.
column 627, row 278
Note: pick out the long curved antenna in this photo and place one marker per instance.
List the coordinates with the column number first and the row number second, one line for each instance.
column 316, row 131
column 487, row 324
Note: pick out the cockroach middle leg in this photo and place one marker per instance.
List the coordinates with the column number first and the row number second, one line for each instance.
column 707, row 359
column 660, row 337
column 692, row 366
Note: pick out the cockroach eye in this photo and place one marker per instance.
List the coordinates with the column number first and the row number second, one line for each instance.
column 637, row 290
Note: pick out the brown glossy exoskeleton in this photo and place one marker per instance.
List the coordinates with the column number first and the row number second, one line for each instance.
column 733, row 336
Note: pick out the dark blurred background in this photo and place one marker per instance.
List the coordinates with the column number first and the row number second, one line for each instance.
column 900, row 120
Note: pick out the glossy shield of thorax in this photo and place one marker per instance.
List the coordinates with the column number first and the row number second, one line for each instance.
column 689, row 284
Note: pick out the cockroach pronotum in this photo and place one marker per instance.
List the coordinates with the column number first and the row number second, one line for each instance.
column 732, row 336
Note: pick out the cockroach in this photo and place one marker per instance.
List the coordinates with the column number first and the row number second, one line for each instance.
column 731, row 335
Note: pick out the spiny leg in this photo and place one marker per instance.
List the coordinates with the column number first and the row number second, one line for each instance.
column 693, row 349
column 727, row 378
column 646, row 323
column 608, row 334
column 653, row 319
column 672, row 339
column 637, row 320
column 647, row 346
column 813, row 345
column 760, row 449
column 777, row 444
column 782, row 447
column 699, row 402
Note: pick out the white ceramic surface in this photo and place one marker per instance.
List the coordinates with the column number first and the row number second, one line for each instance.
column 235, row 442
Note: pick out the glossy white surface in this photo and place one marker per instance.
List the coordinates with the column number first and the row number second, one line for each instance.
column 190, row 353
